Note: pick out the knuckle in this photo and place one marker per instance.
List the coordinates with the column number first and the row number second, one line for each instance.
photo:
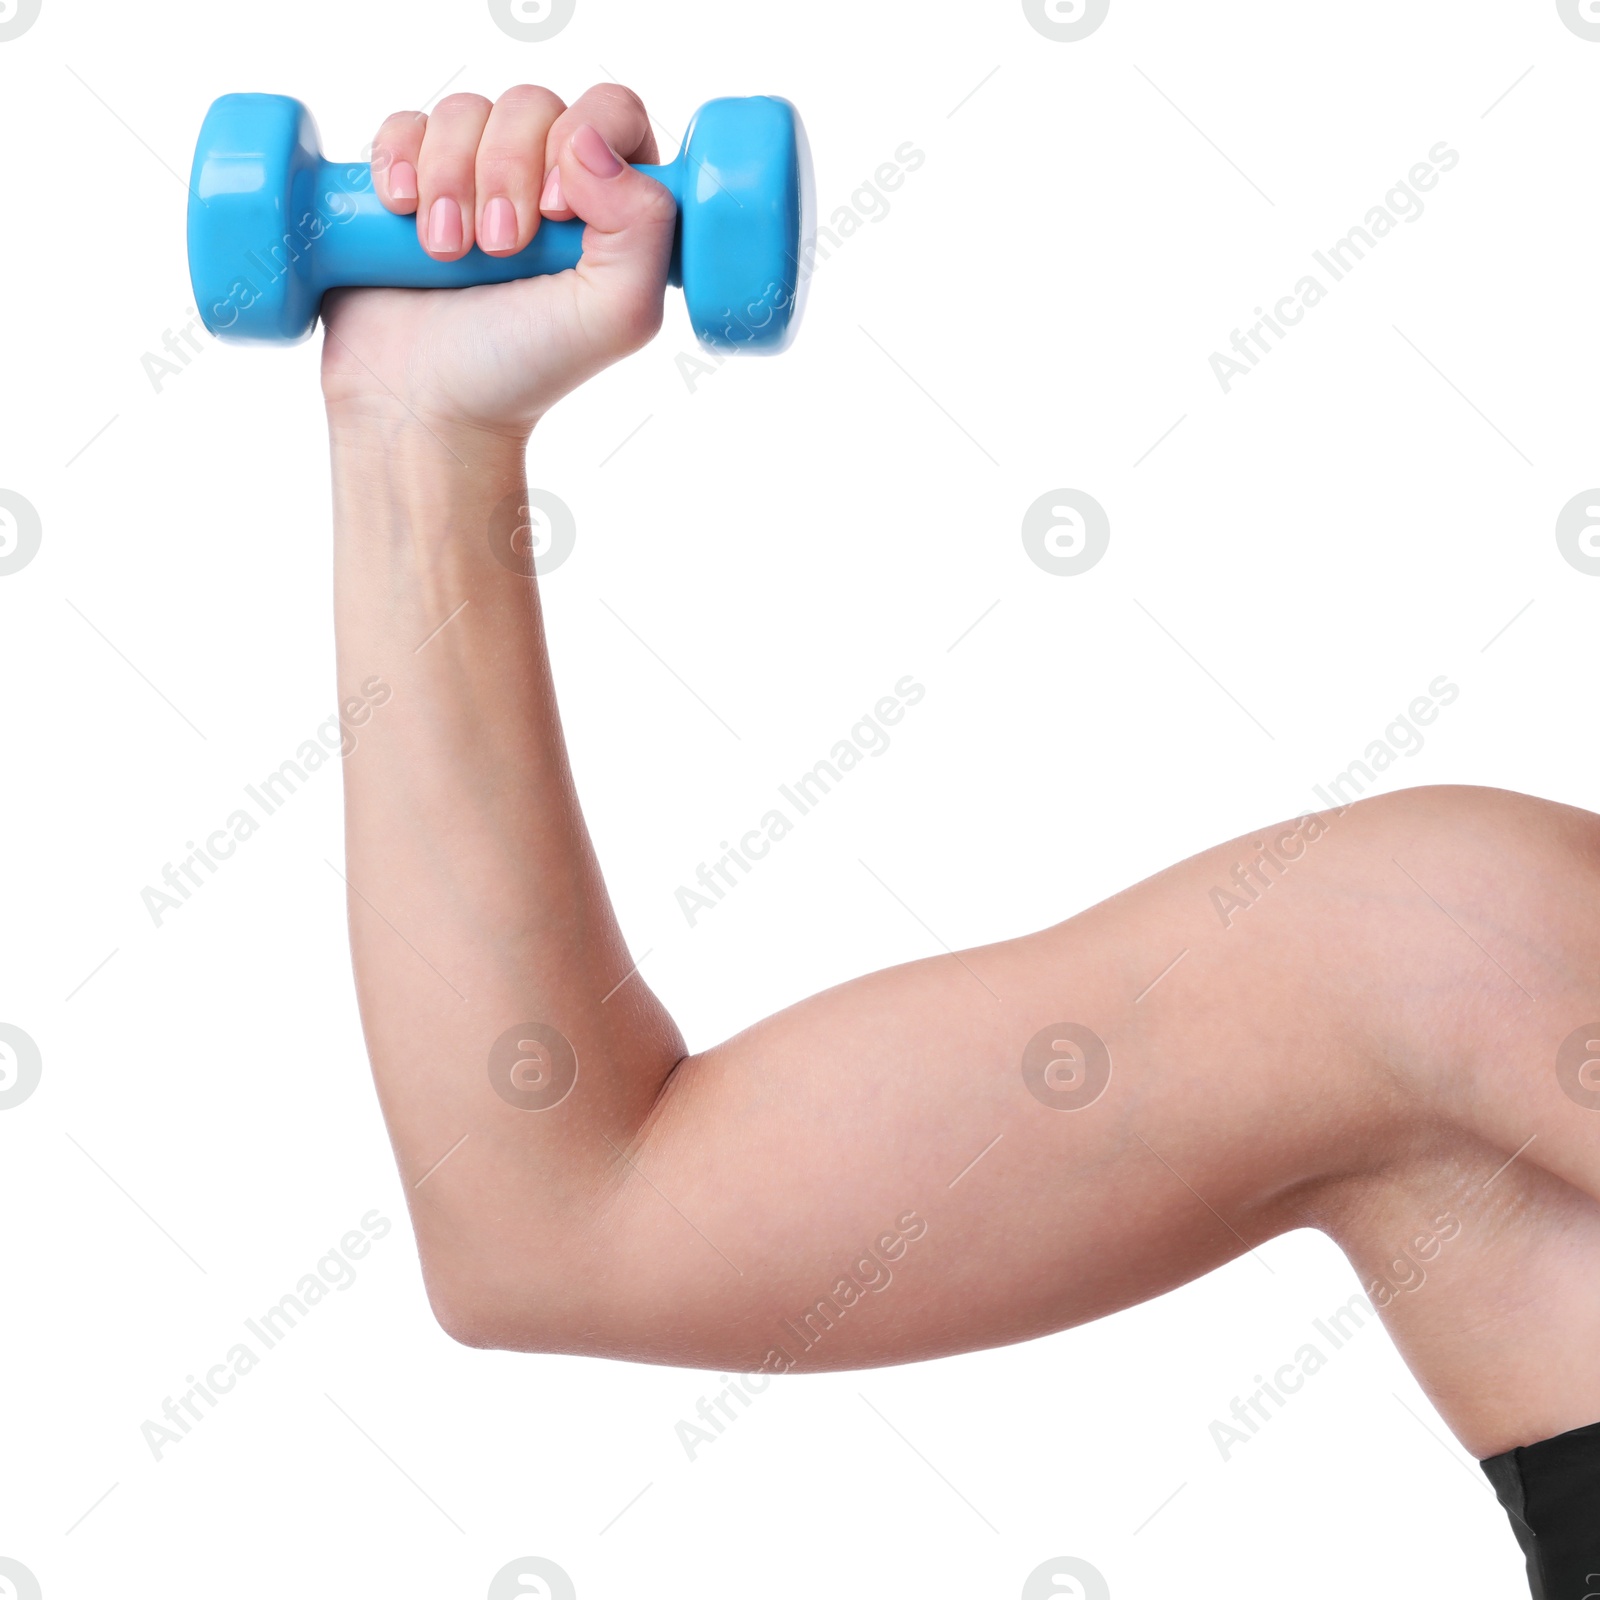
column 456, row 105
column 615, row 107
column 532, row 97
column 657, row 205
column 401, row 128
column 502, row 173
column 441, row 172
column 621, row 95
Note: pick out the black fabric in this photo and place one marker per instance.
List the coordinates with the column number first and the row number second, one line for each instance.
column 1551, row 1492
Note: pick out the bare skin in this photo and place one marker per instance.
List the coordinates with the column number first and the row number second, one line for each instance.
column 1366, row 1048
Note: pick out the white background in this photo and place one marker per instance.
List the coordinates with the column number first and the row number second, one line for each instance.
column 1367, row 511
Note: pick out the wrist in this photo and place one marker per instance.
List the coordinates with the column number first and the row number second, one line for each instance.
column 391, row 455
column 383, row 426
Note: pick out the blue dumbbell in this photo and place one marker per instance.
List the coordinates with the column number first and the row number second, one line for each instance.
column 272, row 225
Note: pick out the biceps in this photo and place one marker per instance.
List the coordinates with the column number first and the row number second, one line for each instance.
column 925, row 1161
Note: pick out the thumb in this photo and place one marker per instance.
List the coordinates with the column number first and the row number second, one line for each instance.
column 627, row 244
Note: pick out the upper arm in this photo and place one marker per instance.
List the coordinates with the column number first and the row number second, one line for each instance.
column 960, row 1152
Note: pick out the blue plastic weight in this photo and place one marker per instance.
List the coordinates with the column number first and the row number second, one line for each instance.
column 272, row 225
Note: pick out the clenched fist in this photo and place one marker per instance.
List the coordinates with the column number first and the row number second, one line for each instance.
column 496, row 357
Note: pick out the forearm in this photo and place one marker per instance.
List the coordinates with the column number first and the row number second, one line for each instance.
column 476, row 903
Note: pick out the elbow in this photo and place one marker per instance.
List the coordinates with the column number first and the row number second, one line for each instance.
column 475, row 1316
column 467, row 1322
column 475, row 1307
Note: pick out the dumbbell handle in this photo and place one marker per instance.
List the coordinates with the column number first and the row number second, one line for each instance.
column 362, row 244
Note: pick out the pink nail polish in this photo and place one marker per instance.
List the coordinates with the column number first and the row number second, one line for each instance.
column 444, row 226
column 402, row 181
column 550, row 200
column 590, row 147
column 499, row 225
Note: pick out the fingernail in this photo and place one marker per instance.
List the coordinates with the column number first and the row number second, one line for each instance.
column 550, row 200
column 499, row 225
column 444, row 226
column 590, row 147
column 402, row 181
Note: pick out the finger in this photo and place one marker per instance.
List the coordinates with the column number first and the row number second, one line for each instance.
column 394, row 160
column 446, row 204
column 623, row 122
column 510, row 170
column 627, row 243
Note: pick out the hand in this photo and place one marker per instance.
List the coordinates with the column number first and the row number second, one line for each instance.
column 496, row 357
